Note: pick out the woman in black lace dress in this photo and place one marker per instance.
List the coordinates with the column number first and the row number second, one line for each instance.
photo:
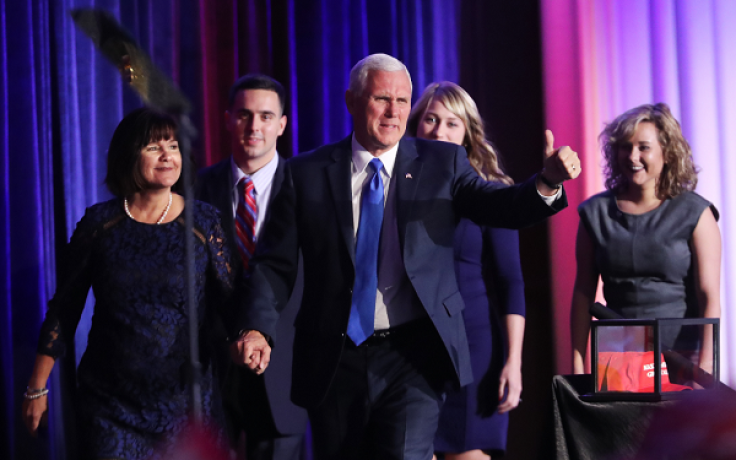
column 133, row 387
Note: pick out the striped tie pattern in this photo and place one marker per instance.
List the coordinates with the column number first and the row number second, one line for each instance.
column 245, row 220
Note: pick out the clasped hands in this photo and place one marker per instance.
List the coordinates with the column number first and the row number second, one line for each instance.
column 252, row 350
column 559, row 165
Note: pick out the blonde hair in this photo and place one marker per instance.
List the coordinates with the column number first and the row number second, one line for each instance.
column 481, row 153
column 679, row 173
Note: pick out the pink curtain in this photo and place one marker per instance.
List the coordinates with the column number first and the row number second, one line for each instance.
column 602, row 57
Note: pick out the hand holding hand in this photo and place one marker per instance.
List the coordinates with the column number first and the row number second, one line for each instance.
column 251, row 349
column 510, row 387
column 559, row 164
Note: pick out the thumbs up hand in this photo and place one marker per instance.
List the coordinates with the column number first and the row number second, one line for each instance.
column 559, row 165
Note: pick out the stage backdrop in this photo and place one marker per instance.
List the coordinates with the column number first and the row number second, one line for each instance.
column 61, row 102
column 604, row 57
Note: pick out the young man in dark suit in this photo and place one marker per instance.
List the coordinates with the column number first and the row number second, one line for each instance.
column 380, row 331
column 259, row 405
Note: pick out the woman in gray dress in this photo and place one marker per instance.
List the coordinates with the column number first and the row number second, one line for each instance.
column 652, row 240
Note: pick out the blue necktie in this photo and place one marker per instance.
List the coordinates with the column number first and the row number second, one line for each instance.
column 362, row 309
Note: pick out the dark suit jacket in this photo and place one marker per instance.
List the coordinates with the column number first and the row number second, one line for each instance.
column 435, row 186
column 214, row 186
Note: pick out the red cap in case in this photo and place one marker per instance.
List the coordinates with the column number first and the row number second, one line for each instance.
column 632, row 371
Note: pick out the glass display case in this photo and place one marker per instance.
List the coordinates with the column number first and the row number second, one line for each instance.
column 625, row 369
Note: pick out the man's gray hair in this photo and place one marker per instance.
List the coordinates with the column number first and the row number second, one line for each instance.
column 378, row 61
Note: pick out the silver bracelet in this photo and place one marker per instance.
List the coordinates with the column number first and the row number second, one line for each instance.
column 37, row 393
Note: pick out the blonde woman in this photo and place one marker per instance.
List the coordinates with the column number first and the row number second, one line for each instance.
column 474, row 419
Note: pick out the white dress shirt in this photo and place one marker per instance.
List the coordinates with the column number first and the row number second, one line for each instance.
column 396, row 300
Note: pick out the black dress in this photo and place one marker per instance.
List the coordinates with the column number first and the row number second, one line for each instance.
column 133, row 390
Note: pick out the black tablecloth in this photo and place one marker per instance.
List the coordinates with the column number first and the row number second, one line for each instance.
column 597, row 430
column 702, row 425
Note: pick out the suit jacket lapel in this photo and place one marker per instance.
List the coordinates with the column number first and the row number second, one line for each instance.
column 338, row 176
column 407, row 175
column 278, row 179
column 223, row 199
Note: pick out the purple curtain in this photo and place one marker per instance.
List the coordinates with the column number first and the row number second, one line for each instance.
column 61, row 101
column 616, row 55
column 28, row 200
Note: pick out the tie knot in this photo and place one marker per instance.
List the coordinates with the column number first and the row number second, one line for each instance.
column 245, row 184
column 376, row 164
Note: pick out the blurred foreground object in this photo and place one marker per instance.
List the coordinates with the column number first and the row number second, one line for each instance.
column 703, row 429
column 119, row 47
column 197, row 443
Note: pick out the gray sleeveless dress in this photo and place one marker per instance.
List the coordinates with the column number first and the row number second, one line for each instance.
column 645, row 260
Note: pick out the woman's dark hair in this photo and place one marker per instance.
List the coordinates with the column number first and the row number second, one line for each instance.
column 138, row 129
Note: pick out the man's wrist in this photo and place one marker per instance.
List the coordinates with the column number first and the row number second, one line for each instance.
column 241, row 334
column 549, row 183
column 244, row 332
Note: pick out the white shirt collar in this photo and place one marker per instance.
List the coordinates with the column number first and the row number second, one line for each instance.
column 260, row 178
column 361, row 157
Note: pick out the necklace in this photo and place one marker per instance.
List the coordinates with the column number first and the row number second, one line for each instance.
column 163, row 214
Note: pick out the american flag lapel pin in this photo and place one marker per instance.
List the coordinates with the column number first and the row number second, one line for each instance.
column 408, row 176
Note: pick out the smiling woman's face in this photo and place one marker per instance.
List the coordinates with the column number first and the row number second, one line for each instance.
column 641, row 159
column 439, row 124
column 161, row 163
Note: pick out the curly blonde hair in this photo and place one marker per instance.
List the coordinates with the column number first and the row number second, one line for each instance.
column 481, row 153
column 679, row 173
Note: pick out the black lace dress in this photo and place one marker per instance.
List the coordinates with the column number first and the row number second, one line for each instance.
column 133, row 391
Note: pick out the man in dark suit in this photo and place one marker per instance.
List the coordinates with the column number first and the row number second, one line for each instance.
column 380, row 331
column 259, row 405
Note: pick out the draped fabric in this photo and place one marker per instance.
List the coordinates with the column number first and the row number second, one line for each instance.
column 61, row 101
column 606, row 56
column 310, row 47
column 28, row 199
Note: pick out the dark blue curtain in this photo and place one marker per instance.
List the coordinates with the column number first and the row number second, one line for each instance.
column 61, row 101
column 332, row 38
column 28, row 198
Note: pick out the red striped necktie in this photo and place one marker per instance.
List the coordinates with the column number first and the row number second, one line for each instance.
column 245, row 220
